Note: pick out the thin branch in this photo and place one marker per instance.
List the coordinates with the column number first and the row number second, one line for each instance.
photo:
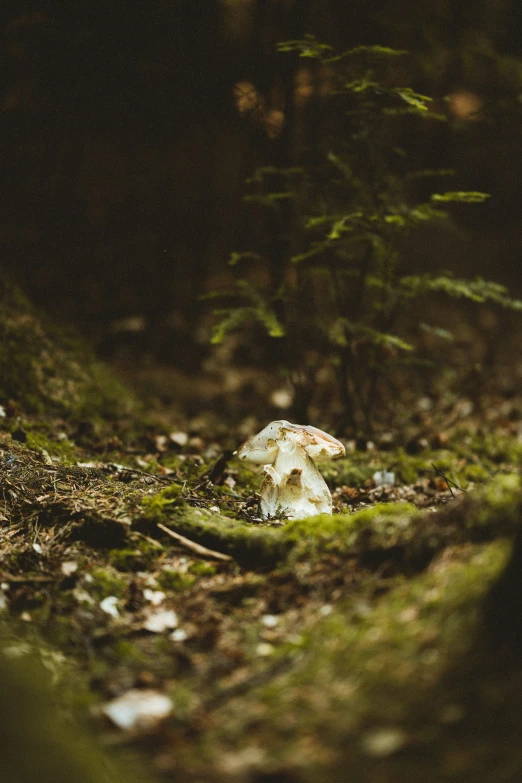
column 449, row 481
column 198, row 548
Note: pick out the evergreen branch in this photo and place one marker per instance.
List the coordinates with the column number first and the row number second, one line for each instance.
column 235, row 317
column 464, row 196
column 478, row 290
column 375, row 51
column 235, row 258
column 343, row 326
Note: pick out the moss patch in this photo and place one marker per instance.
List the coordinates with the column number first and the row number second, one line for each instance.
column 44, row 368
column 384, row 526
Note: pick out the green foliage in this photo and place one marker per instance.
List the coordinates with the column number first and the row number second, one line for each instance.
column 466, row 197
column 343, row 215
column 257, row 309
column 476, row 290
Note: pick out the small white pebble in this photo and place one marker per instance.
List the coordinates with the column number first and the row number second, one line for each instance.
column 264, row 649
column 282, row 398
column 164, row 620
column 155, row 597
column 179, row 635
column 138, row 710
column 109, row 605
column 69, row 567
column 384, row 741
column 269, row 620
column 179, row 438
column 37, row 548
column 424, row 403
column 326, row 609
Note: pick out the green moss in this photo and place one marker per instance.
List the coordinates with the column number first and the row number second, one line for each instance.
column 382, row 523
column 246, row 477
column 126, row 559
column 149, row 549
column 171, row 461
column 152, row 466
column 128, row 653
column 437, row 611
column 44, row 368
column 497, row 448
column 202, row 569
column 476, row 473
column 369, row 662
column 156, row 505
column 380, row 527
column 501, row 506
column 64, row 449
column 408, row 468
column 183, row 698
column 170, row 579
column 251, row 544
column 351, row 471
column 105, row 582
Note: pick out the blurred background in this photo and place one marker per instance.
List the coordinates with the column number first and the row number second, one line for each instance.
column 128, row 129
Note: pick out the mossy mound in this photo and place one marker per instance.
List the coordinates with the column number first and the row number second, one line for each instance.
column 47, row 369
column 414, row 538
column 365, row 683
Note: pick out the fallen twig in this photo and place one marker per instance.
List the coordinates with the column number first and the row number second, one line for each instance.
column 449, row 481
column 198, row 548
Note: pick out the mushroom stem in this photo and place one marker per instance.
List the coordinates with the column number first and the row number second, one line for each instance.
column 293, row 487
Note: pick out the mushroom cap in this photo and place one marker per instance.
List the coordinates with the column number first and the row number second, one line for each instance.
column 319, row 445
column 263, row 447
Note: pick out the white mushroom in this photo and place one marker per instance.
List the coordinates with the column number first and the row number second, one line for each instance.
column 292, row 487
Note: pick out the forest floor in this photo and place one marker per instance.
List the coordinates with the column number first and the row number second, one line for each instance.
column 216, row 646
column 380, row 644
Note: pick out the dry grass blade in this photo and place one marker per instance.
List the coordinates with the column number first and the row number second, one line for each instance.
column 198, row 548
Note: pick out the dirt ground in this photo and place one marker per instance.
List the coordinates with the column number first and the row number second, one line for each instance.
column 205, row 644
